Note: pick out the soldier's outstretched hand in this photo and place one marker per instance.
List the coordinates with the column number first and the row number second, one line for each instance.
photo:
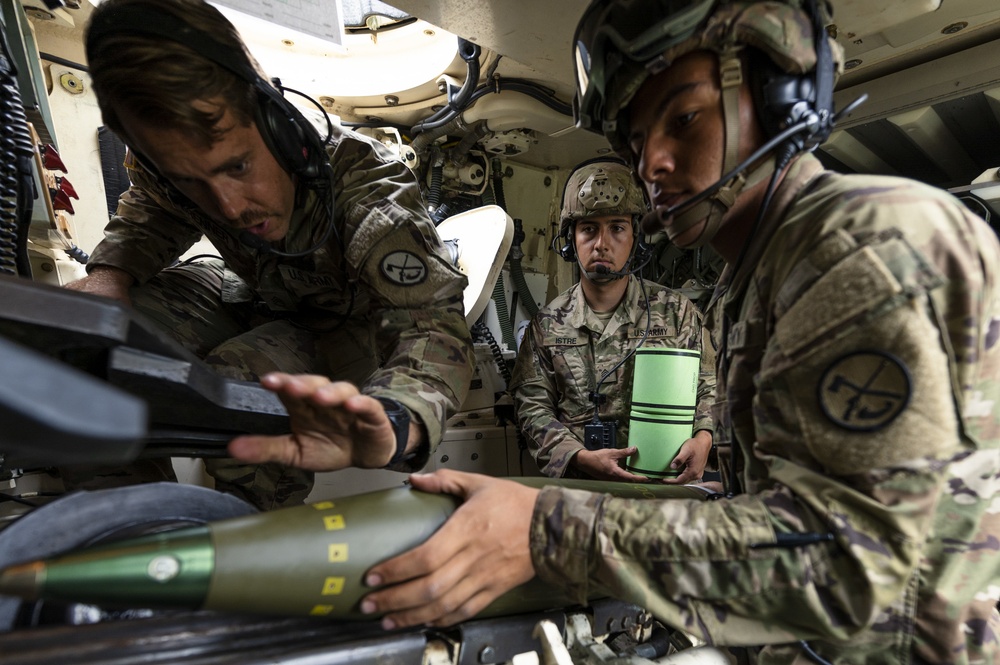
column 604, row 464
column 479, row 554
column 333, row 427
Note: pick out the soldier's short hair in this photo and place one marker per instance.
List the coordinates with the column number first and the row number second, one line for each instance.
column 158, row 79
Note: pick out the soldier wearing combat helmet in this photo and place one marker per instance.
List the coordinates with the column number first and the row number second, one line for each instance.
column 596, row 189
column 575, row 363
column 857, row 374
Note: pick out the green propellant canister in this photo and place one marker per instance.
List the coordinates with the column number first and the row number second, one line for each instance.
column 664, row 398
column 307, row 560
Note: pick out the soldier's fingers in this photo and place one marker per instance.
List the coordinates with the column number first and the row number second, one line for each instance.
column 444, row 546
column 429, row 482
column 631, row 477
column 463, row 530
column 420, row 591
column 259, row 449
column 462, row 602
column 686, row 476
column 316, row 454
column 275, row 380
column 317, row 388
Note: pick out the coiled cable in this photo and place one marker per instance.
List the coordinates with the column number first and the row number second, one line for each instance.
column 16, row 180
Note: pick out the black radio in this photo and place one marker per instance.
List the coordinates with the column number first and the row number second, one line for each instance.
column 600, row 434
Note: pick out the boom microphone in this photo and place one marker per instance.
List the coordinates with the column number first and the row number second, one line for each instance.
column 604, row 270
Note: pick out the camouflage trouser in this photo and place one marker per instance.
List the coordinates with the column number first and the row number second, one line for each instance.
column 188, row 302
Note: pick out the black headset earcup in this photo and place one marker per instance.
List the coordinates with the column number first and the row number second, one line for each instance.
column 563, row 245
column 781, row 99
column 288, row 135
column 567, row 251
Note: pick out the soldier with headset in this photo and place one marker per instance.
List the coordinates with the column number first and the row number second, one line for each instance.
column 333, row 289
column 858, row 365
column 573, row 375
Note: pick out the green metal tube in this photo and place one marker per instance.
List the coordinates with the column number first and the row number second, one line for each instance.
column 307, row 560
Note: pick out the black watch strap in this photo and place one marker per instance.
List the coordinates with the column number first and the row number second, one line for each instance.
column 399, row 417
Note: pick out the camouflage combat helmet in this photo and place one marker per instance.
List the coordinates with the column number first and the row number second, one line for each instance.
column 603, row 187
column 616, row 48
column 598, row 188
column 621, row 43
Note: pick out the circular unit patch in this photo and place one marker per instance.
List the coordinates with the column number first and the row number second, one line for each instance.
column 404, row 268
column 864, row 391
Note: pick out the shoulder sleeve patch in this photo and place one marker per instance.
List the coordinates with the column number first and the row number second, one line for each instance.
column 403, row 268
column 865, row 390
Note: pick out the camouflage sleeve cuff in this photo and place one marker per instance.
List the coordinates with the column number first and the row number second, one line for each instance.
column 562, row 532
column 559, row 457
column 704, row 424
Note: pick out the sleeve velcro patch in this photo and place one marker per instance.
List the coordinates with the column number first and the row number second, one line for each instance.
column 852, row 287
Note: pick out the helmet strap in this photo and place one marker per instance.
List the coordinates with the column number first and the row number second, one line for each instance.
column 715, row 207
column 730, row 80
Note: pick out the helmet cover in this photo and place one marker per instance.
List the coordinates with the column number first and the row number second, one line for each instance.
column 781, row 29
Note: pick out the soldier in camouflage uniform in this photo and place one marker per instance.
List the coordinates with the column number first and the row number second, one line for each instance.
column 360, row 297
column 858, row 377
column 590, row 332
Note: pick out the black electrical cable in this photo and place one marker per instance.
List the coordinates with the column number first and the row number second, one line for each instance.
column 365, row 30
column 480, row 329
column 497, row 86
column 63, row 61
column 524, row 87
column 724, row 342
column 376, row 124
column 470, row 53
column 16, row 179
column 14, row 499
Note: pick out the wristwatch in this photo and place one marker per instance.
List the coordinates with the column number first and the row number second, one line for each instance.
column 399, row 418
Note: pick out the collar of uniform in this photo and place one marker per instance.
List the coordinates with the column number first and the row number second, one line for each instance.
column 627, row 311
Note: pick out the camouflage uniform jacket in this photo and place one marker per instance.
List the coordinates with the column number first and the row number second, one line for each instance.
column 383, row 243
column 859, row 380
column 567, row 348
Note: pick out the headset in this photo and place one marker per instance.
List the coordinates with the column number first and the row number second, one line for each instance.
column 290, row 137
column 785, row 100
